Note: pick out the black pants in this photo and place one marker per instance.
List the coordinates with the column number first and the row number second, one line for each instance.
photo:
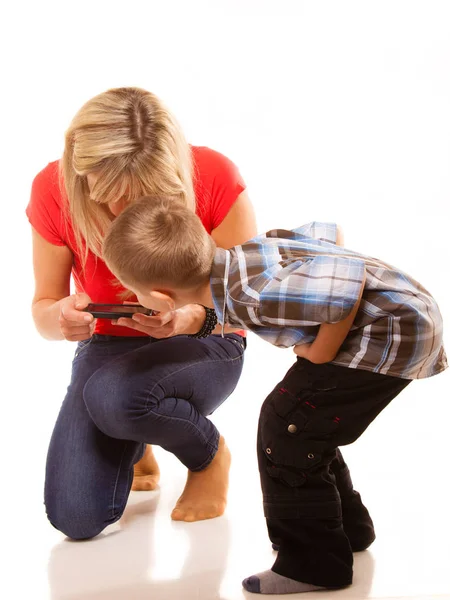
column 311, row 509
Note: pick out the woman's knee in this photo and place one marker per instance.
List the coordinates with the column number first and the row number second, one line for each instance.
column 76, row 528
column 74, row 517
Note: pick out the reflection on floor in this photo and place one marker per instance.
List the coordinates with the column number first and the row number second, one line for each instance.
column 399, row 466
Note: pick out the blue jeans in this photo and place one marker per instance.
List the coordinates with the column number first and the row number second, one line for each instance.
column 124, row 393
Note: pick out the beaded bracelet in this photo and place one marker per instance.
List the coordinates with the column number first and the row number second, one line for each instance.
column 209, row 324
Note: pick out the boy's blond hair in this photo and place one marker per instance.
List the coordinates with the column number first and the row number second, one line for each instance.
column 159, row 241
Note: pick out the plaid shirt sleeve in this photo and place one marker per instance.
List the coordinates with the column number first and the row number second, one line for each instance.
column 322, row 289
column 317, row 230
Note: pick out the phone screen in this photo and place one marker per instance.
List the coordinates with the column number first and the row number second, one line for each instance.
column 123, row 309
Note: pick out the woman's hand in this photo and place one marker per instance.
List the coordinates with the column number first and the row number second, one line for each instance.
column 75, row 324
column 186, row 320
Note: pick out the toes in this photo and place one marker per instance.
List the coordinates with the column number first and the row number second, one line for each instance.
column 177, row 515
column 144, row 483
column 151, row 483
column 252, row 584
column 221, row 509
column 191, row 515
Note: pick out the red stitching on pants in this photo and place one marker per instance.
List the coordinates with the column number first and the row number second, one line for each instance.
column 309, row 404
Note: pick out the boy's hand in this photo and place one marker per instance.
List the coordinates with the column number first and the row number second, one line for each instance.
column 304, row 351
column 186, row 320
column 330, row 337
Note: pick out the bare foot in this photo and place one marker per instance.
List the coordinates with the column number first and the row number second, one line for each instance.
column 205, row 493
column 146, row 472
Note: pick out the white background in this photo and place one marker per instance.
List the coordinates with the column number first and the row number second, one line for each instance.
column 332, row 110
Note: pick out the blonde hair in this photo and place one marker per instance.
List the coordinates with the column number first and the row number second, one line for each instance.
column 135, row 147
column 159, row 241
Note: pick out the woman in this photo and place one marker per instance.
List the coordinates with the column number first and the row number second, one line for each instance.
column 155, row 377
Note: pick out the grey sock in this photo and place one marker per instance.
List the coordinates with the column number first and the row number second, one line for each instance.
column 269, row 582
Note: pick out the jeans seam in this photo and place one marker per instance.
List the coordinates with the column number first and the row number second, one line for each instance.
column 81, row 347
column 209, row 459
column 114, row 514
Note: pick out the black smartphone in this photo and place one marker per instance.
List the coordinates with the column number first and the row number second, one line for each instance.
column 115, row 311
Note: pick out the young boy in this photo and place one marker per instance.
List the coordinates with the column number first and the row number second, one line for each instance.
column 362, row 331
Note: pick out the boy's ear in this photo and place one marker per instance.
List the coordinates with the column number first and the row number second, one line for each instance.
column 164, row 300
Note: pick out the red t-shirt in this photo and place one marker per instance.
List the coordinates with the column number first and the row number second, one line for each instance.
column 217, row 184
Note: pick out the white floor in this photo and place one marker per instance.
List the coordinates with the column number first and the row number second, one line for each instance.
column 400, row 465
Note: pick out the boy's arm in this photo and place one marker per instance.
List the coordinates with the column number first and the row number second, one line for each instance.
column 330, row 337
column 339, row 236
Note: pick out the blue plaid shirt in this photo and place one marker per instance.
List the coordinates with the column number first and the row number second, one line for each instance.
column 282, row 285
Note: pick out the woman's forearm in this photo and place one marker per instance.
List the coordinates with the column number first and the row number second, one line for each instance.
column 46, row 318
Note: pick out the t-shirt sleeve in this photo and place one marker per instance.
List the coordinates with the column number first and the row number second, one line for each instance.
column 44, row 210
column 323, row 289
column 227, row 184
column 327, row 232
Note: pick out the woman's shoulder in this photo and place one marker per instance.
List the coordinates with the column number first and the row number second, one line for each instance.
column 215, row 172
column 211, row 163
column 44, row 211
column 48, row 180
column 217, row 184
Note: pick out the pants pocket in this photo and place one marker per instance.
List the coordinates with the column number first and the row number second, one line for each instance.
column 82, row 346
column 294, row 433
